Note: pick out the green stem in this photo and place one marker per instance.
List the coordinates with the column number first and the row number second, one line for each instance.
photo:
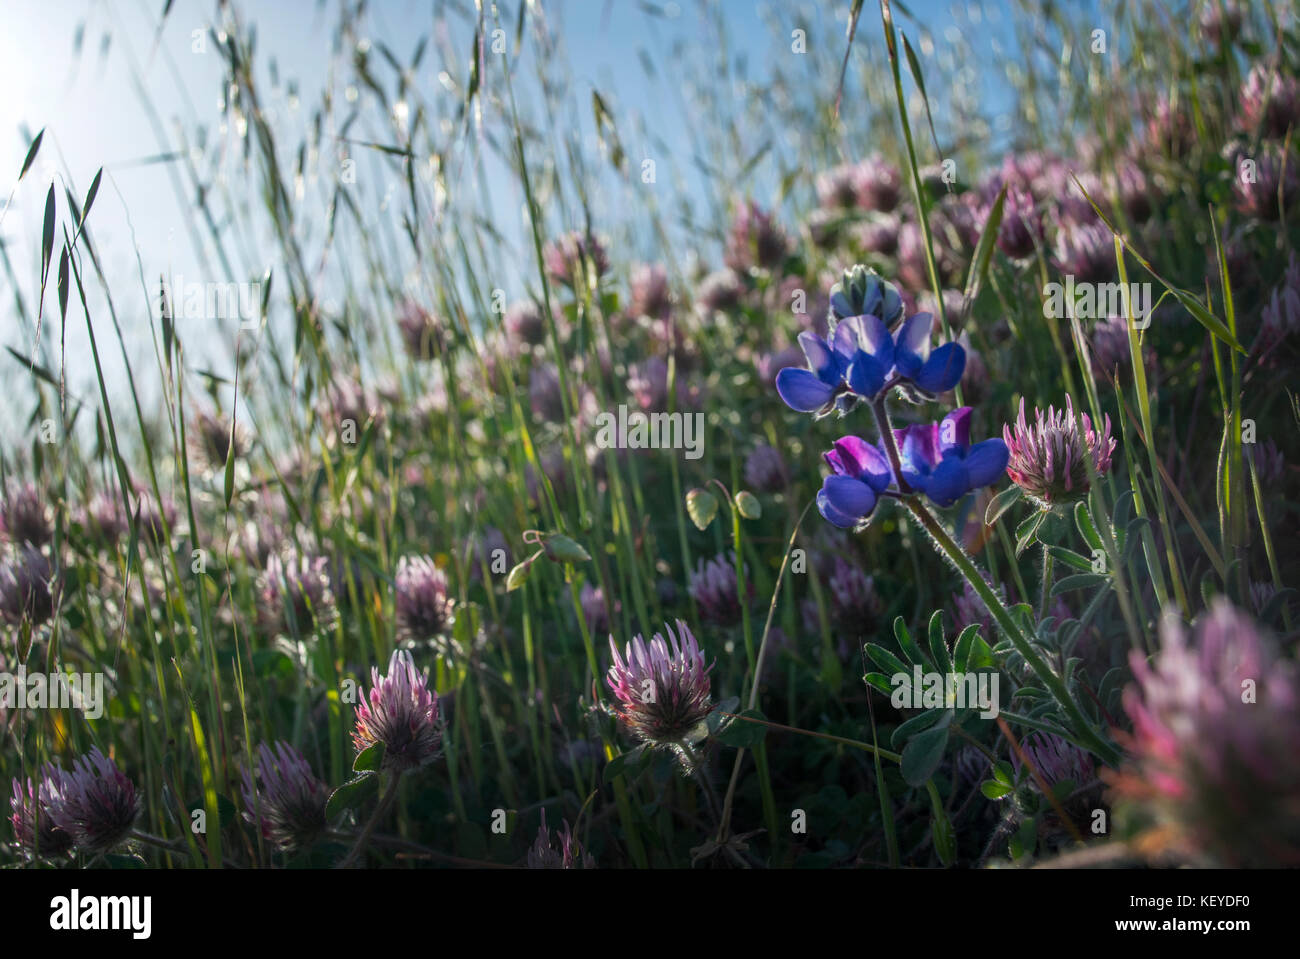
column 1024, row 647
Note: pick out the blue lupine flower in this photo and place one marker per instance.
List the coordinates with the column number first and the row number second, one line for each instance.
column 931, row 372
column 937, row 459
column 859, row 473
column 862, row 357
column 822, row 386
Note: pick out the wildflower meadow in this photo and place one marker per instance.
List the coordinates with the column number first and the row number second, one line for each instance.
column 639, row 436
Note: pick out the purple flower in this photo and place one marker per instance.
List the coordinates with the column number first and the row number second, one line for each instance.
column 569, row 259
column 1050, row 459
column 765, row 470
column 295, row 593
column 1056, row 760
column 859, row 473
column 1086, row 251
column 713, row 587
column 938, row 459
column 544, row 393
column 719, row 292
column 1021, row 228
column 422, row 334
column 212, row 435
column 1213, row 751
column 284, row 797
column 1273, row 186
column 755, row 240
column 862, row 358
column 35, row 830
column 104, row 519
column 651, row 294
column 661, row 688
column 570, row 855
column 24, row 517
column 1281, row 314
column 424, row 610
column 1268, row 462
column 94, row 803
column 594, row 609
column 525, row 323
column 25, row 587
column 402, row 713
column 879, row 184
column 1270, row 101
column 837, row 188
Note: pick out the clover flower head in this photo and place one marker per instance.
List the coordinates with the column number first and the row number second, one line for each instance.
column 402, row 713
column 661, row 688
column 1216, row 717
column 1050, row 459
column 24, row 517
column 94, row 802
column 35, row 830
column 570, row 855
column 295, row 593
column 714, row 589
column 424, row 609
column 283, row 797
column 26, row 581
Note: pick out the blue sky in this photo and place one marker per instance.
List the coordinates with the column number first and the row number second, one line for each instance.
column 72, row 68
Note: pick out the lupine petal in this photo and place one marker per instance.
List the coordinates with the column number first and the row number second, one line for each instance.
column 954, row 430
column 866, row 375
column 943, row 370
column 802, row 390
column 821, row 359
column 845, row 501
column 948, row 483
column 875, row 339
column 863, row 461
column 986, row 462
column 847, row 338
column 912, row 344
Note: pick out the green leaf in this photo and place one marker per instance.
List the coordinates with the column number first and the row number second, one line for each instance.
column 1027, row 532
column 922, row 755
column 623, row 763
column 917, row 724
column 742, row 734
column 1079, row 581
column 701, row 506
column 979, row 265
column 370, row 759
column 938, row 645
column 907, row 644
column 962, row 648
column 994, row 790
column 1083, row 519
column 1070, row 558
column 1008, row 498
column 887, row 660
column 351, row 794
column 31, row 153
